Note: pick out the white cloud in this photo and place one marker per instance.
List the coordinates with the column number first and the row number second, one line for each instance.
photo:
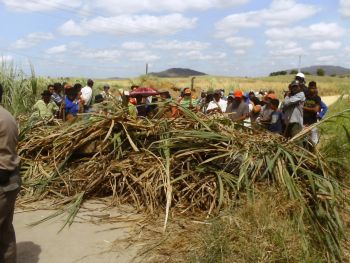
column 56, row 49
column 40, row 5
column 137, row 6
column 32, row 40
column 180, row 45
column 347, row 49
column 240, row 51
column 199, row 55
column 239, row 42
column 280, row 13
column 314, row 31
column 133, row 45
column 325, row 45
column 143, row 56
column 129, row 24
column 283, row 49
column 98, row 54
column 326, row 59
column 344, row 8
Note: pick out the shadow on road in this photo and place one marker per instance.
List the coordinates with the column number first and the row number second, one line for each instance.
column 28, row 252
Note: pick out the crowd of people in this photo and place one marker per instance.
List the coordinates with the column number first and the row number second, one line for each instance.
column 300, row 107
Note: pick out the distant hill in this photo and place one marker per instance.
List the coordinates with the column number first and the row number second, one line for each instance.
column 329, row 70
column 177, row 72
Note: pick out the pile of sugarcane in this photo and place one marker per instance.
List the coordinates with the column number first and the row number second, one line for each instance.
column 187, row 164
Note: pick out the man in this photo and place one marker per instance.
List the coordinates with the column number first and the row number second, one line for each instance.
column 72, row 104
column 86, row 95
column 105, row 93
column 217, row 105
column 9, row 183
column 275, row 124
column 51, row 88
column 56, row 95
column 312, row 106
column 45, row 108
column 301, row 78
column 186, row 100
column 293, row 109
column 266, row 110
column 239, row 110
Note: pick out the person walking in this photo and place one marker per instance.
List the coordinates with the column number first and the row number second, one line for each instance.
column 10, row 182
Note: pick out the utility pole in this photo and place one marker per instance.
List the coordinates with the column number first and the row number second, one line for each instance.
column 146, row 68
column 299, row 66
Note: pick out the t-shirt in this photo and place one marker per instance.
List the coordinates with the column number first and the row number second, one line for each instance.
column 43, row 110
column 9, row 159
column 71, row 107
column 57, row 98
column 276, row 122
column 311, row 102
column 238, row 110
column 86, row 94
column 216, row 104
column 293, row 108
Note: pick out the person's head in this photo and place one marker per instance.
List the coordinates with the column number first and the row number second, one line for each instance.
column 300, row 77
column 251, row 95
column 274, row 103
column 165, row 95
column 1, row 92
column 230, row 99
column 138, row 99
column 269, row 97
column 295, row 87
column 46, row 96
column 238, row 95
column 312, row 88
column 57, row 87
column 50, row 88
column 106, row 88
column 133, row 87
column 209, row 97
column 90, row 83
column 217, row 95
column 98, row 98
column 203, row 94
column 77, row 88
column 187, row 92
column 70, row 92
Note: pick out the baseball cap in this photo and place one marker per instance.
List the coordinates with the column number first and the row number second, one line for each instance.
column 238, row 94
column 301, row 75
column 271, row 96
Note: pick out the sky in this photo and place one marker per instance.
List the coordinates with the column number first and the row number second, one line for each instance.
column 116, row 38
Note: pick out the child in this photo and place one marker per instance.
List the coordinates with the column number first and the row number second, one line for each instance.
column 275, row 125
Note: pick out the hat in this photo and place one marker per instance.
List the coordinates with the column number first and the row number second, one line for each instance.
column 301, row 75
column 238, row 94
column 271, row 96
column 46, row 93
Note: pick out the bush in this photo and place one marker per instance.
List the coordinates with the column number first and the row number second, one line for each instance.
column 320, row 72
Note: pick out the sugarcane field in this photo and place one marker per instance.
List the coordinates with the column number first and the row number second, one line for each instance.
column 107, row 157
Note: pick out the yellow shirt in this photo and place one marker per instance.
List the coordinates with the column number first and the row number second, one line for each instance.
column 45, row 111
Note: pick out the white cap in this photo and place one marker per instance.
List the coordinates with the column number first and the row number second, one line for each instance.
column 300, row 75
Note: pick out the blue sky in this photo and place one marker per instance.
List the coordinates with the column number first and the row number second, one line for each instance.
column 109, row 38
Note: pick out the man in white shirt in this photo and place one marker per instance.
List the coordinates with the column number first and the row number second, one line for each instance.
column 86, row 95
column 218, row 104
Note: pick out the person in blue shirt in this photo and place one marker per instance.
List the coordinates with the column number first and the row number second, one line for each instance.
column 323, row 110
column 275, row 124
column 72, row 106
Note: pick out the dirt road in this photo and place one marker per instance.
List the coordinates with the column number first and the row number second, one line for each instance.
column 84, row 241
column 329, row 100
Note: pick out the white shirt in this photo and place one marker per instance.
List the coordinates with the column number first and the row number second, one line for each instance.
column 214, row 104
column 86, row 94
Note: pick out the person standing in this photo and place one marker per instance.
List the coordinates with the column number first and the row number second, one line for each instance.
column 56, row 95
column 293, row 109
column 10, row 182
column 106, row 93
column 86, row 95
column 45, row 108
column 217, row 105
column 239, row 110
column 312, row 106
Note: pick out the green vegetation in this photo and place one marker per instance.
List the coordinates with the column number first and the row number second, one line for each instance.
column 320, row 72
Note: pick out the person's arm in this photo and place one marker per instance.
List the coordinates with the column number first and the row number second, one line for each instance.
column 323, row 110
column 293, row 100
column 313, row 109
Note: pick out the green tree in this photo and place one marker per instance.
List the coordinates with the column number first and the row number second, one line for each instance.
column 293, row 72
column 320, row 72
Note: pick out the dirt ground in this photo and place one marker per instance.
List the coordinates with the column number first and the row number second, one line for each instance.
column 87, row 240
